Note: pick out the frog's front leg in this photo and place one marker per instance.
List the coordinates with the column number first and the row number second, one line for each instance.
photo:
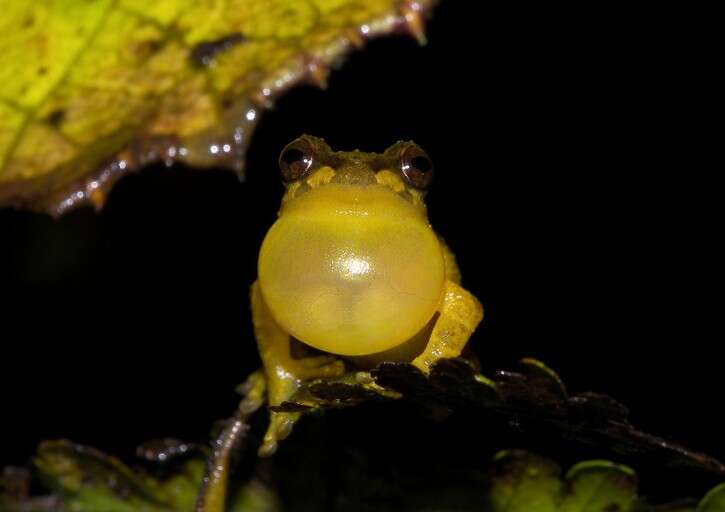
column 459, row 315
column 284, row 373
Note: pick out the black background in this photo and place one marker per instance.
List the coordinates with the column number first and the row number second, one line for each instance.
column 566, row 184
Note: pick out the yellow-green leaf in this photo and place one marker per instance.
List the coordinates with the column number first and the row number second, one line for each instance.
column 599, row 485
column 526, row 482
column 91, row 90
column 714, row 501
column 88, row 480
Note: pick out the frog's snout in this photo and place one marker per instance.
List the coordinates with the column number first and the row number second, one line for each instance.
column 353, row 174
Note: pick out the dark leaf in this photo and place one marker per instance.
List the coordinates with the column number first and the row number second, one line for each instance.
column 533, row 398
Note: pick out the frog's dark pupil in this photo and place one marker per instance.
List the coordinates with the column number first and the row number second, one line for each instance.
column 421, row 163
column 292, row 155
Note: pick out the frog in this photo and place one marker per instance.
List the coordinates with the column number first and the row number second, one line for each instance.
column 352, row 273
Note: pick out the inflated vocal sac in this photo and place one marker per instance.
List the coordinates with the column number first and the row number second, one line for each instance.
column 351, row 270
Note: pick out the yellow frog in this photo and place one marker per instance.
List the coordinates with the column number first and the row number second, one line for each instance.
column 353, row 269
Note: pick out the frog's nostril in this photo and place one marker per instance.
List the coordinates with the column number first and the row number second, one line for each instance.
column 354, row 175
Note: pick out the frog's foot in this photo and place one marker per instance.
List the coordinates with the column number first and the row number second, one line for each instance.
column 287, row 378
column 280, row 426
column 317, row 367
column 458, row 317
column 254, row 391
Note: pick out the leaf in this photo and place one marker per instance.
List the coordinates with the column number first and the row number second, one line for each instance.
column 714, row 501
column 532, row 399
column 528, row 483
column 599, row 485
column 514, row 481
column 84, row 479
column 92, row 90
column 524, row 483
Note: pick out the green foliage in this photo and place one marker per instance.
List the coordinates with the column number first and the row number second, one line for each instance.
column 83, row 479
column 91, row 90
column 527, row 483
column 714, row 501
column 533, row 397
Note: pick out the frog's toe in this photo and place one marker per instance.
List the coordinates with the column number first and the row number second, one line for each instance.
column 254, row 390
column 250, row 405
column 319, row 367
column 280, row 427
column 267, row 449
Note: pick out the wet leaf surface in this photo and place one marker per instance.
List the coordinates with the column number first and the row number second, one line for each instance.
column 91, row 91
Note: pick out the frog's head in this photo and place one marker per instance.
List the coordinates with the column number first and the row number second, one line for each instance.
column 352, row 265
column 308, row 163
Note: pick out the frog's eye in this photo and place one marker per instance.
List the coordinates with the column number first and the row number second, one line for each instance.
column 296, row 160
column 416, row 166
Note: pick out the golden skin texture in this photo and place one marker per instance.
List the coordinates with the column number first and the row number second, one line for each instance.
column 353, row 268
